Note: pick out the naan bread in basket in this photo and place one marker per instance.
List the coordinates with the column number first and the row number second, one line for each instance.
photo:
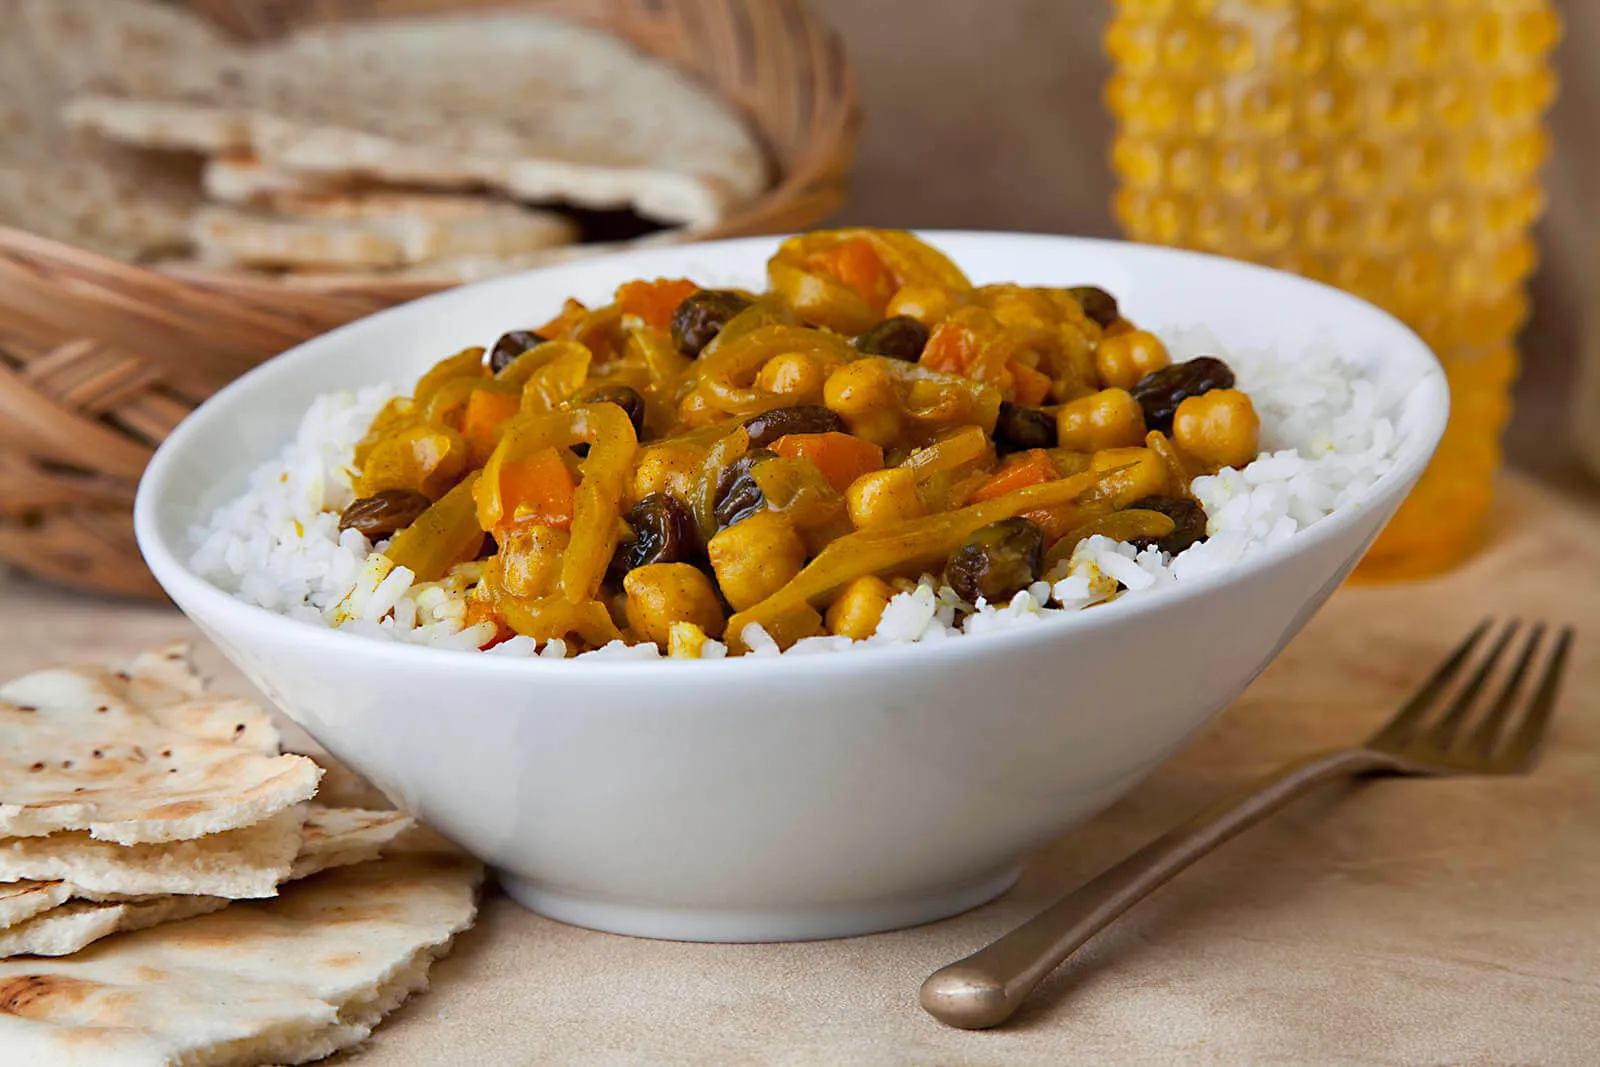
column 417, row 150
column 86, row 192
column 381, row 230
column 540, row 109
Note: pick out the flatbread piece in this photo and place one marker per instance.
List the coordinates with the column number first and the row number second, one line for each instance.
column 245, row 863
column 243, row 180
column 333, row 837
column 77, row 753
column 286, row 981
column 355, row 232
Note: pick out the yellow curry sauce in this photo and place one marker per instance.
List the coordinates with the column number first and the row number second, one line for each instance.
column 683, row 462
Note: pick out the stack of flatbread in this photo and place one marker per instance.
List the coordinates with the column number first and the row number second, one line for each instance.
column 433, row 149
column 276, row 922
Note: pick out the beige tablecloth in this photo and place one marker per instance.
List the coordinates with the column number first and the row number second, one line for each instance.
column 1399, row 922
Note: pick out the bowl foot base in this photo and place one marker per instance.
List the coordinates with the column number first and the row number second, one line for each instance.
column 667, row 923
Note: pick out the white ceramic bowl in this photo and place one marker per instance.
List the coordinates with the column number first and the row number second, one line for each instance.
column 761, row 799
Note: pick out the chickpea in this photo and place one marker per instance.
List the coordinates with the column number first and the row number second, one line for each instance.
column 756, row 557
column 928, row 304
column 859, row 609
column 1219, row 428
column 885, row 496
column 662, row 594
column 1123, row 359
column 1147, row 473
column 794, row 376
column 1110, row 418
column 666, row 468
column 864, row 394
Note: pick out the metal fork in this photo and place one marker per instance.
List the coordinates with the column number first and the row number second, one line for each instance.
column 984, row 989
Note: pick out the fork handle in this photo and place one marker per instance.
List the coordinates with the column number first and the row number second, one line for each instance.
column 984, row 989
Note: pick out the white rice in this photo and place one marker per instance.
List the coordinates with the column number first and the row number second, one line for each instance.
column 1329, row 431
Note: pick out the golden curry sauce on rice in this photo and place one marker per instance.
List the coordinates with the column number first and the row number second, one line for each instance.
column 685, row 462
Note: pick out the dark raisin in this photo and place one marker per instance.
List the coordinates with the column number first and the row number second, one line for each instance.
column 768, row 426
column 624, row 396
column 1020, row 428
column 1099, row 305
column 511, row 345
column 1188, row 518
column 383, row 513
column 702, row 316
column 902, row 337
column 738, row 495
column 1161, row 391
column 664, row 531
column 997, row 562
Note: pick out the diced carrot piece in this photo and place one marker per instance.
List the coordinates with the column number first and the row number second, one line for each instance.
column 951, row 349
column 538, row 488
column 1031, row 387
column 654, row 302
column 971, row 343
column 480, row 424
column 856, row 263
column 840, row 457
column 1035, row 467
column 860, row 268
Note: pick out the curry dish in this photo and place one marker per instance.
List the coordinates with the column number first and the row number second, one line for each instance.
column 684, row 462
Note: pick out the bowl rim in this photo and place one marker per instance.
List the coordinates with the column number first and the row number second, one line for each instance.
column 199, row 598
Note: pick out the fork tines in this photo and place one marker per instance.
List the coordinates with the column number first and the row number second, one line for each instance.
column 1452, row 707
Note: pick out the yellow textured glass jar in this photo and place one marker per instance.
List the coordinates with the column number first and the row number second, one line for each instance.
column 1389, row 147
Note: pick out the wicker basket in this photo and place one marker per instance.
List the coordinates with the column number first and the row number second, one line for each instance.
column 99, row 359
